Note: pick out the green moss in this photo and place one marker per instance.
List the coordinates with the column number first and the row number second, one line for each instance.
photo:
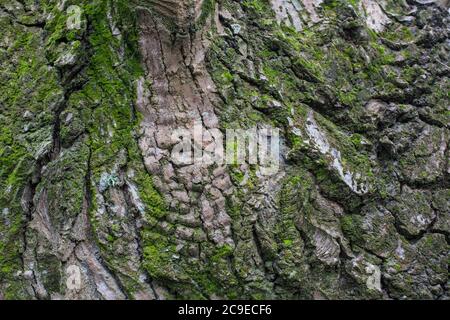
column 287, row 242
column 158, row 257
column 227, row 77
column 257, row 5
column 401, row 33
column 221, row 253
column 155, row 205
column 207, row 10
column 350, row 225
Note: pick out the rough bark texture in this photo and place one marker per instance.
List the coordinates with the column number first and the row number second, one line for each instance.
column 360, row 208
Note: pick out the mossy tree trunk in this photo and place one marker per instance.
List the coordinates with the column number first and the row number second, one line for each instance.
column 91, row 92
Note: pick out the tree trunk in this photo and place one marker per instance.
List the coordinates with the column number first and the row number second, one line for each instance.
column 97, row 97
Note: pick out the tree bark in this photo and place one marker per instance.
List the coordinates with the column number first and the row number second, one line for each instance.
column 93, row 204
